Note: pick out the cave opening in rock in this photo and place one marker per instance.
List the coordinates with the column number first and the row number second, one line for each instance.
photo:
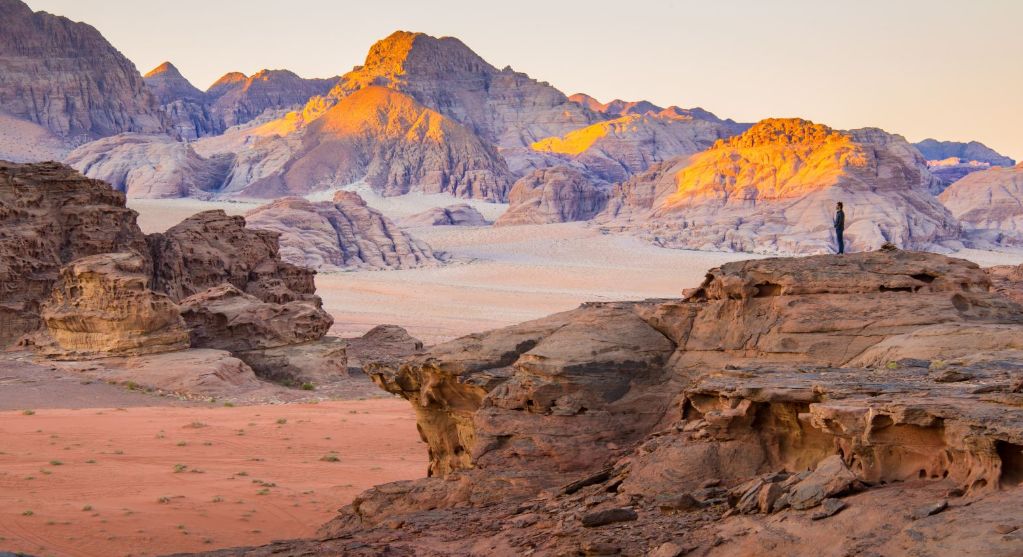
column 1011, row 456
column 767, row 289
column 924, row 277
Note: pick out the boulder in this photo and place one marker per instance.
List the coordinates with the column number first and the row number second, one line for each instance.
column 343, row 234
column 383, row 343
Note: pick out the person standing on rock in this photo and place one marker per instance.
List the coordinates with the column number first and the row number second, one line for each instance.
column 840, row 227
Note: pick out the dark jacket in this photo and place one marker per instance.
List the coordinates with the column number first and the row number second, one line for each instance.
column 840, row 220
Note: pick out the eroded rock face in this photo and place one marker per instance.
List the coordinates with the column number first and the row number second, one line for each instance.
column 51, row 216
column 67, row 78
column 212, row 248
column 150, row 166
column 236, row 98
column 339, row 235
column 382, row 343
column 452, row 215
column 102, row 306
column 989, row 202
column 188, row 114
column 774, row 188
column 854, row 386
column 558, row 194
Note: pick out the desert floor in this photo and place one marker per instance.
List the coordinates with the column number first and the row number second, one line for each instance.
column 163, row 479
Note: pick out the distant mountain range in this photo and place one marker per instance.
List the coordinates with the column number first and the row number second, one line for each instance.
column 429, row 114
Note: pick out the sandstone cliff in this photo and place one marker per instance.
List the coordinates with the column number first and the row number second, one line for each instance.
column 65, row 77
column 740, row 420
column 557, row 194
column 773, row 189
column 337, row 235
column 151, row 166
column 52, row 215
column 990, row 202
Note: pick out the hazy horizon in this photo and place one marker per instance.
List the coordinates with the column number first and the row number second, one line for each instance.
column 945, row 70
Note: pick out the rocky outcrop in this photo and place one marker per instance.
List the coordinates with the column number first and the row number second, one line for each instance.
column 504, row 107
column 1008, row 280
column 383, row 343
column 102, row 307
column 188, row 114
column 236, row 98
column 342, row 234
column 452, row 215
column 65, row 77
column 52, row 215
column 558, row 194
column 773, row 189
column 615, row 149
column 211, row 248
column 150, row 166
column 841, row 392
column 989, row 202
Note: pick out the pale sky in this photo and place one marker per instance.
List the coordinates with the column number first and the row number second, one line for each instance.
column 921, row 68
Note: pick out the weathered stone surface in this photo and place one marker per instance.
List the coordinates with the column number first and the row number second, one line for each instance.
column 383, row 343
column 558, row 194
column 990, row 202
column 323, row 360
column 67, row 78
column 51, row 215
column 188, row 114
column 778, row 397
column 1008, row 280
column 102, row 306
column 608, row 516
column 339, row 235
column 226, row 318
column 150, row 166
column 452, row 215
column 211, row 248
column 773, row 189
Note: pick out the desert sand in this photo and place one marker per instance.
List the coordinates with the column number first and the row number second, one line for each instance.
column 157, row 480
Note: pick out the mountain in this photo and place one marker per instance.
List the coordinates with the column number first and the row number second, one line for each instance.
column 555, row 194
column 774, row 188
column 504, row 107
column 616, row 107
column 236, row 99
column 66, row 78
column 952, row 160
column 374, row 134
column 991, row 201
column 613, row 150
column 188, row 114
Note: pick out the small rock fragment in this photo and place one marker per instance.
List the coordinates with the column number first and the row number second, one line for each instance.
column 829, row 507
column 929, row 510
column 608, row 516
column 1006, row 528
column 670, row 549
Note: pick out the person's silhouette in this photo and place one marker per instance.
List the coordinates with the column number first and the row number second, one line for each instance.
column 840, row 227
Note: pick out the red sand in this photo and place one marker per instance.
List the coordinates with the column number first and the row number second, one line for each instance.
column 156, row 480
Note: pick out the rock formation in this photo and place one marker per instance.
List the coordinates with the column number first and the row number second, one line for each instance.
column 773, row 189
column 452, row 215
column 150, row 166
column 383, row 343
column 187, row 111
column 51, row 216
column 743, row 419
column 991, row 202
column 102, row 306
column 336, row 235
column 615, row 149
column 211, row 248
column 65, row 77
column 952, row 160
column 558, row 194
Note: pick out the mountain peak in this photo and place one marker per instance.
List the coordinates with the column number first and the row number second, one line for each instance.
column 165, row 69
column 230, row 78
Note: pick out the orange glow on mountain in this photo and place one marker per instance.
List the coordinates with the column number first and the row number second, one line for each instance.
column 579, row 141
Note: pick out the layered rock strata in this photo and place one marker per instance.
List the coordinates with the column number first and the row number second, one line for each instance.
column 990, row 203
